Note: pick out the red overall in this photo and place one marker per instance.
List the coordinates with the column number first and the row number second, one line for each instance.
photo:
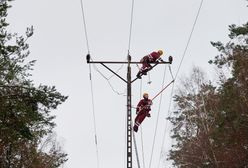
column 146, row 60
column 143, row 109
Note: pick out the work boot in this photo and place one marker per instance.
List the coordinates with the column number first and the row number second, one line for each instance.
column 135, row 128
column 138, row 75
column 145, row 71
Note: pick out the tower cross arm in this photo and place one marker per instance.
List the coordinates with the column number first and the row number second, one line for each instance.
column 125, row 62
column 89, row 61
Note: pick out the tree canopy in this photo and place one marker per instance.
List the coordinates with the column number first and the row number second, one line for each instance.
column 25, row 118
column 210, row 122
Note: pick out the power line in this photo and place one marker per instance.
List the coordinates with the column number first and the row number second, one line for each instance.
column 154, row 137
column 85, row 27
column 166, row 122
column 130, row 29
column 116, row 71
column 142, row 147
column 87, row 43
column 172, row 91
column 189, row 39
column 108, row 79
column 91, row 85
column 94, row 117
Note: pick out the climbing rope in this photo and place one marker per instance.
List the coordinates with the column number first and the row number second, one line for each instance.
column 162, row 90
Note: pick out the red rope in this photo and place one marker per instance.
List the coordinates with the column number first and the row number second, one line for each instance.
column 163, row 89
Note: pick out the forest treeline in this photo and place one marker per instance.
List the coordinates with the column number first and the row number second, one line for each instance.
column 210, row 120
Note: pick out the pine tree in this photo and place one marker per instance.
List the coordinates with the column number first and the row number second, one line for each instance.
column 25, row 117
column 211, row 122
column 231, row 132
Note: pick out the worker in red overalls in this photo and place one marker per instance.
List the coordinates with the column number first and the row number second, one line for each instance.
column 142, row 110
column 146, row 60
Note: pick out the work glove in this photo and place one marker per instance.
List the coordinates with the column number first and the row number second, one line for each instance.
column 160, row 59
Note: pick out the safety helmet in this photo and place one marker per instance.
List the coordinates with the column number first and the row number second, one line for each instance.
column 145, row 94
column 160, row 52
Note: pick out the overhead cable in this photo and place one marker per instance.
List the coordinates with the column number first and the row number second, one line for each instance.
column 130, row 29
column 94, row 117
column 85, row 27
column 184, row 53
column 189, row 39
column 156, row 127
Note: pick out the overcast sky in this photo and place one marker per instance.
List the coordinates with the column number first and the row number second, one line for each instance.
column 59, row 46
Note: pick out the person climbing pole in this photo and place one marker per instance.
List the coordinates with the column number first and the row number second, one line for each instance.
column 146, row 60
column 142, row 110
